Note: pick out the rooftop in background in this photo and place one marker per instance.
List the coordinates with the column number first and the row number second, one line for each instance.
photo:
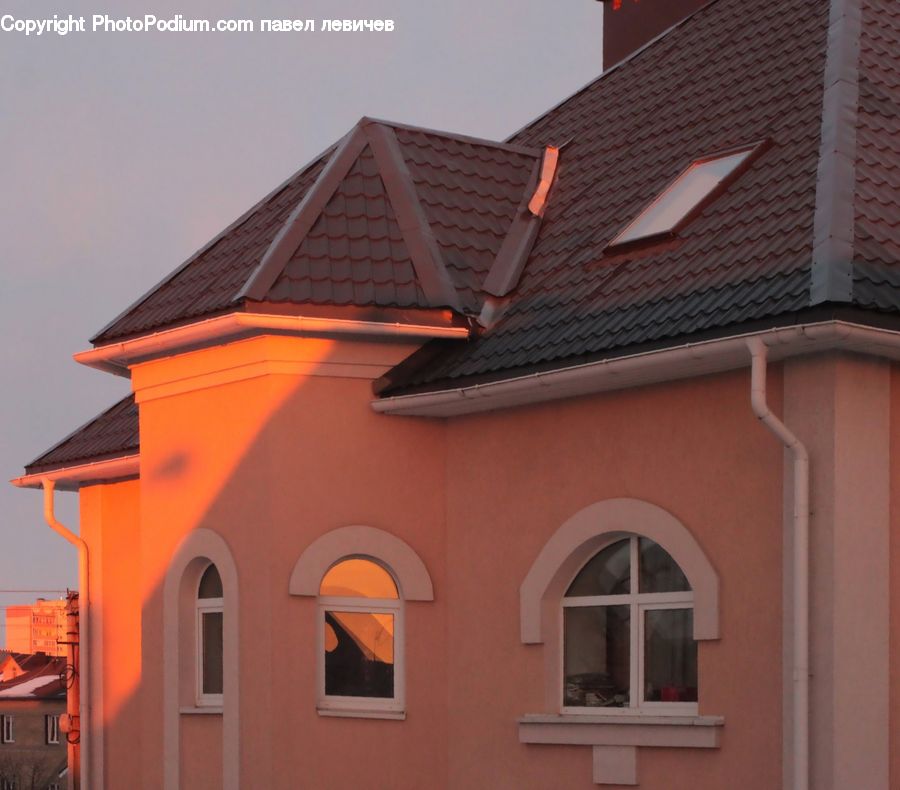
column 42, row 677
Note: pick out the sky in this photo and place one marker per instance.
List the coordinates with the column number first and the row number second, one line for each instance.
column 123, row 153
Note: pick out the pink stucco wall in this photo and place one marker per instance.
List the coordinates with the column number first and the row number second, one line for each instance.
column 273, row 461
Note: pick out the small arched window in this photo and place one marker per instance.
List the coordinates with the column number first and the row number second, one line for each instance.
column 209, row 627
column 361, row 628
column 628, row 632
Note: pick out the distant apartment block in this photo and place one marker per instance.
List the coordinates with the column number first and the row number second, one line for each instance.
column 37, row 628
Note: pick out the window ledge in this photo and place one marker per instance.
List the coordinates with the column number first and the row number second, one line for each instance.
column 206, row 710
column 348, row 713
column 640, row 729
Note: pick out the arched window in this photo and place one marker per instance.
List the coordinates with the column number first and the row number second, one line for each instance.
column 628, row 639
column 361, row 632
column 209, row 628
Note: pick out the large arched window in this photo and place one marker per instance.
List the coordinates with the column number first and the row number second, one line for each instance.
column 628, row 639
column 209, row 628
column 361, row 632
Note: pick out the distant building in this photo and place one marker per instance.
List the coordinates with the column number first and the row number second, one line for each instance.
column 37, row 628
column 32, row 747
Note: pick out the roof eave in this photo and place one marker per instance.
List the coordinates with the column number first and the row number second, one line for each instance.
column 686, row 360
column 118, row 357
column 71, row 478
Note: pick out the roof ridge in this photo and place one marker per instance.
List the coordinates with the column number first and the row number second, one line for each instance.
column 464, row 138
column 423, row 249
column 831, row 275
column 302, row 218
column 615, row 67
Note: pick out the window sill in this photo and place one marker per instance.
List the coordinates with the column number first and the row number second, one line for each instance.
column 348, row 713
column 207, row 710
column 638, row 729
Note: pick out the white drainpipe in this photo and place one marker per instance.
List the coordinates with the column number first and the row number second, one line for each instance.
column 83, row 627
column 800, row 562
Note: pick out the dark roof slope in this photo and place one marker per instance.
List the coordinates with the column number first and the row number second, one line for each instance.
column 43, row 678
column 112, row 434
column 731, row 74
column 391, row 217
column 877, row 216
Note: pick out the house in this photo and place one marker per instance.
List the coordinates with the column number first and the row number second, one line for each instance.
column 32, row 748
column 555, row 462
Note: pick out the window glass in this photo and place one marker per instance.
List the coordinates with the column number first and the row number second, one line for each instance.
column 210, row 584
column 659, row 573
column 211, row 626
column 608, row 573
column 359, row 654
column 670, row 656
column 597, row 656
column 358, row 578
column 683, row 195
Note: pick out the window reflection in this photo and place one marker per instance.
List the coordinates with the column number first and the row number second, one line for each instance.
column 359, row 579
column 597, row 656
column 670, row 656
column 359, row 654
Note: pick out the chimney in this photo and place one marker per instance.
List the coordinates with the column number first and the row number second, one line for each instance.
column 629, row 24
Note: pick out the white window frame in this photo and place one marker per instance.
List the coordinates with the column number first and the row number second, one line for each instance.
column 206, row 606
column 51, row 728
column 391, row 606
column 638, row 603
column 7, row 728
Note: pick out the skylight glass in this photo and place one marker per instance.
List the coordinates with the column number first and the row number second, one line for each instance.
column 682, row 196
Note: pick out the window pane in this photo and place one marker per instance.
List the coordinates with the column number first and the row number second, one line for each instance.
column 608, row 573
column 597, row 656
column 210, row 584
column 659, row 573
column 670, row 656
column 211, row 624
column 359, row 579
column 359, row 654
column 681, row 196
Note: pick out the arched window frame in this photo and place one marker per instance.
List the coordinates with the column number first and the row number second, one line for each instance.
column 347, row 603
column 391, row 553
column 639, row 603
column 575, row 542
column 204, row 606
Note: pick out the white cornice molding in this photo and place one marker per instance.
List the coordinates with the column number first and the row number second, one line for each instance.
column 71, row 478
column 118, row 357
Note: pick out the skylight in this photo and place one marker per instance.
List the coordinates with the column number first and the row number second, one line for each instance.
column 682, row 196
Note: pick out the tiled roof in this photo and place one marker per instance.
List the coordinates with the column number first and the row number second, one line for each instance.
column 407, row 217
column 732, row 74
column 391, row 217
column 112, row 434
column 43, row 678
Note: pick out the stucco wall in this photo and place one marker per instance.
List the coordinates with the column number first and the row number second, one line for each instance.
column 271, row 459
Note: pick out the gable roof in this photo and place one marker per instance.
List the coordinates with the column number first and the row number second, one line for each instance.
column 391, row 217
column 731, row 74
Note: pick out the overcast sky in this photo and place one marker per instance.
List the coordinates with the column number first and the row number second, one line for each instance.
column 122, row 153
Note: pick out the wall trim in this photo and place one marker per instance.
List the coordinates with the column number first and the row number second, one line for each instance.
column 585, row 533
column 408, row 569
column 193, row 553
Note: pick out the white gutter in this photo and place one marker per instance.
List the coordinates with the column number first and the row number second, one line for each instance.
column 685, row 361
column 71, row 478
column 758, row 353
column 83, row 630
column 116, row 357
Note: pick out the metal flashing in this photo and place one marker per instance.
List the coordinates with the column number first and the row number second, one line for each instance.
column 831, row 278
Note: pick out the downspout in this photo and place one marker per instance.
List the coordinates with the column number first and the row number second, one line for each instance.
column 800, row 673
column 83, row 629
